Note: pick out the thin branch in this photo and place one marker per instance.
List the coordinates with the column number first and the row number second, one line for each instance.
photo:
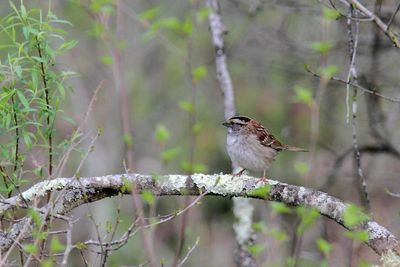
column 379, row 23
column 192, row 118
column 363, row 89
column 218, row 30
column 393, row 16
column 352, row 76
column 189, row 252
column 115, row 51
column 371, row 149
column 47, row 99
column 96, row 188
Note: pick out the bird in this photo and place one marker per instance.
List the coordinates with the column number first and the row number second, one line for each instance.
column 251, row 146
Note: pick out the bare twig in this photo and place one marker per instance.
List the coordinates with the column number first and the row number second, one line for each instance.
column 393, row 16
column 363, row 89
column 189, row 252
column 379, row 23
column 352, row 76
column 119, row 79
column 371, row 149
column 69, row 243
column 192, row 118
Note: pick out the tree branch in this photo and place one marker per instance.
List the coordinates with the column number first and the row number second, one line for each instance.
column 379, row 23
column 84, row 190
column 242, row 208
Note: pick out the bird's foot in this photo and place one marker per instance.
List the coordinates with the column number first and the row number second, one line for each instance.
column 238, row 174
column 264, row 179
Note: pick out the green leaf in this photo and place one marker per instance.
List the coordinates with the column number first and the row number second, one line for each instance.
column 329, row 71
column 259, row 226
column 101, row 5
column 68, row 45
column 169, row 154
column 357, row 235
column 199, row 73
column 27, row 139
column 197, row 127
column 34, row 214
column 322, row 47
column 330, row 13
column 18, row 71
column 56, row 246
column 25, row 32
column 303, row 94
column 187, row 27
column 23, row 99
column 324, row 246
column 127, row 185
column 128, row 139
column 199, row 168
column 109, row 227
column 307, row 216
column 353, row 216
column 363, row 263
column 280, row 207
column 34, row 78
column 277, row 234
column 97, row 29
column 186, row 106
column 261, row 192
column 46, row 263
column 23, row 11
column 193, row 168
column 149, row 34
column 30, row 248
column 80, row 245
column 148, row 197
column 161, row 133
column 106, row 60
column 171, row 23
column 149, row 13
column 202, row 14
column 256, row 249
column 290, row 262
column 301, row 167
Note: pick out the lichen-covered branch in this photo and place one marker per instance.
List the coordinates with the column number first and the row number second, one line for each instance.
column 77, row 192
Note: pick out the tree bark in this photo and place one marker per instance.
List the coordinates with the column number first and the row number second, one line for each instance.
column 77, row 191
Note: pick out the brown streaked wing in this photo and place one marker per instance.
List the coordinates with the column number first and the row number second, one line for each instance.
column 266, row 138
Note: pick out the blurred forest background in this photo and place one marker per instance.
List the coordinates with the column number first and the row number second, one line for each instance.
column 160, row 107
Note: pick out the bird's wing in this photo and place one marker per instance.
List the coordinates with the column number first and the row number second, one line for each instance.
column 266, row 138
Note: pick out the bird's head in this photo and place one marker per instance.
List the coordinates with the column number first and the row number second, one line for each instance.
column 236, row 123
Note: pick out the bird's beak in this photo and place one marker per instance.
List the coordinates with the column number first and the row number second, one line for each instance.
column 226, row 124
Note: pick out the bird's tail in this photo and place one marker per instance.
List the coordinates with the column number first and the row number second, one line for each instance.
column 295, row 149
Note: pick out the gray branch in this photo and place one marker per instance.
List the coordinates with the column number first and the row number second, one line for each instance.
column 85, row 190
column 224, row 78
column 243, row 210
column 379, row 23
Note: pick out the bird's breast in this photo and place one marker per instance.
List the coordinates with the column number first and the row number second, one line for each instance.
column 248, row 153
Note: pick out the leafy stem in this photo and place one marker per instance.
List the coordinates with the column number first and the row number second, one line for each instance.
column 46, row 93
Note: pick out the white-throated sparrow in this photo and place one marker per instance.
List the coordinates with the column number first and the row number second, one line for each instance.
column 251, row 146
